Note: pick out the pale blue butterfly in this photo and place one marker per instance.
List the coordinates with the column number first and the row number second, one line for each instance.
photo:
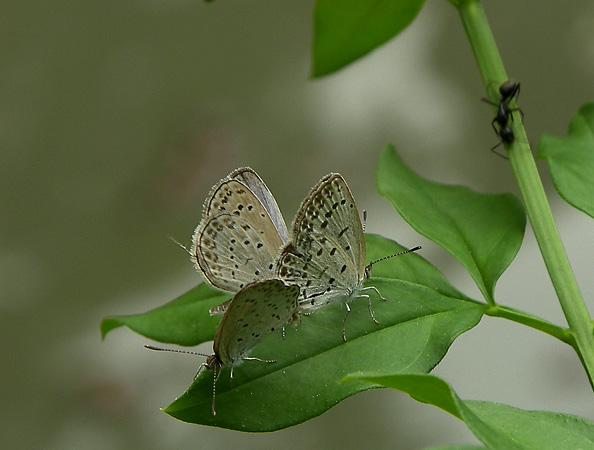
column 253, row 314
column 326, row 256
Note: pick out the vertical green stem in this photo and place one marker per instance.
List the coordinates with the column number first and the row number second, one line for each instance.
column 535, row 201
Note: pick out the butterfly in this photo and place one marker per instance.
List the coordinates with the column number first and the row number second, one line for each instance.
column 254, row 313
column 326, row 256
column 241, row 232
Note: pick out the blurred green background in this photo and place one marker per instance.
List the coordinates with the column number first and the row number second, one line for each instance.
column 118, row 116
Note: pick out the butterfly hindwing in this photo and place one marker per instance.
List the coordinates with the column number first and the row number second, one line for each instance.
column 240, row 234
column 253, row 314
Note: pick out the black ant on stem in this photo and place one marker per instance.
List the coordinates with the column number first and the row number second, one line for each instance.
column 508, row 90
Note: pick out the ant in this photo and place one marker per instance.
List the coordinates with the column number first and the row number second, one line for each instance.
column 508, row 90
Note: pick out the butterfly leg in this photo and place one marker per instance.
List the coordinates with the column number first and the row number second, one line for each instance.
column 348, row 308
column 378, row 293
column 202, row 366
column 373, row 288
column 253, row 358
column 293, row 321
column 369, row 306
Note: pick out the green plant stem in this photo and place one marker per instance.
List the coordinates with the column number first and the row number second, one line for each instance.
column 531, row 189
column 515, row 315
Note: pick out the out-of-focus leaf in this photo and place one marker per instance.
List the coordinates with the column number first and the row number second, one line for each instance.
column 571, row 160
column 346, row 30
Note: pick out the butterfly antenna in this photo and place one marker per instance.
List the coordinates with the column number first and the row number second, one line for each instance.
column 368, row 268
column 181, row 245
column 174, row 350
column 202, row 366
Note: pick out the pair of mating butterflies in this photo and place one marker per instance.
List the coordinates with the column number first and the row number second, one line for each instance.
column 242, row 246
column 243, row 238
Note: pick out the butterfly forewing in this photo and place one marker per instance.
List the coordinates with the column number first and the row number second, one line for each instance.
column 253, row 314
column 251, row 179
column 240, row 233
column 327, row 256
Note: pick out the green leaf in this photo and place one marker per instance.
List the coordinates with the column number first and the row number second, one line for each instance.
column 345, row 30
column 571, row 160
column 483, row 231
column 495, row 425
column 417, row 325
column 419, row 321
column 183, row 321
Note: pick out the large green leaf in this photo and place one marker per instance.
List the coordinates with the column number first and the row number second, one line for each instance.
column 418, row 323
column 571, row 160
column 421, row 317
column 483, row 231
column 495, row 425
column 183, row 321
column 345, row 30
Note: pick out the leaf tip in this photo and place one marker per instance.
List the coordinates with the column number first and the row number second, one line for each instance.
column 108, row 324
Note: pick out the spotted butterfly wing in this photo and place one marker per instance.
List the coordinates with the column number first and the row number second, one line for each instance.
column 222, row 199
column 251, row 179
column 327, row 256
column 253, row 314
column 240, row 233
